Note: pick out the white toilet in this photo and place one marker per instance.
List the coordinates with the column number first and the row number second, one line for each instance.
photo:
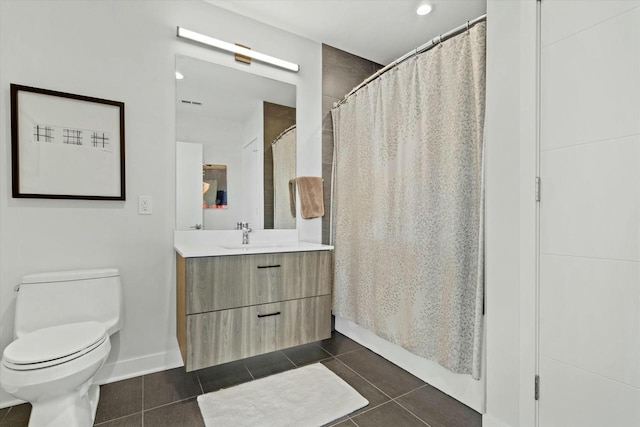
column 63, row 321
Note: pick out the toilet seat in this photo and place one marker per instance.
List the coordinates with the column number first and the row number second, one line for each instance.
column 53, row 346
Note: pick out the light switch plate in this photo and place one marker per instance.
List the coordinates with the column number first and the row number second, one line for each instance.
column 145, row 205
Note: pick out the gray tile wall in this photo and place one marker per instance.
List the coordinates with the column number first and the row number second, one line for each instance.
column 277, row 119
column 341, row 72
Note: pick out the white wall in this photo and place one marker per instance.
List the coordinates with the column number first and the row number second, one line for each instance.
column 510, row 144
column 502, row 129
column 126, row 51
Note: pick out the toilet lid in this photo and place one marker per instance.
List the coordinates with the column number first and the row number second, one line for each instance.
column 49, row 346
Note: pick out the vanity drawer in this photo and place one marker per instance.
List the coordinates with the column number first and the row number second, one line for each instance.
column 217, row 283
column 226, row 335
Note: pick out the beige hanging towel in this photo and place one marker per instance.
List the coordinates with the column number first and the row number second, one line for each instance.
column 311, row 196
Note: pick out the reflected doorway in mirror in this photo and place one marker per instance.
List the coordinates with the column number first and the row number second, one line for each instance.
column 214, row 186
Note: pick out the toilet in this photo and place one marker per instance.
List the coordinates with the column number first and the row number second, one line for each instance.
column 62, row 325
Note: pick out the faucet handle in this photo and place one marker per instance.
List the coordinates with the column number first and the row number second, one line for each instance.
column 245, row 233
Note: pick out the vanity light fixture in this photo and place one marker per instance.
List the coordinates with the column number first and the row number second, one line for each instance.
column 424, row 9
column 219, row 44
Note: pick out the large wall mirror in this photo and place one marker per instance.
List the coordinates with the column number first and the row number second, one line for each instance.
column 245, row 123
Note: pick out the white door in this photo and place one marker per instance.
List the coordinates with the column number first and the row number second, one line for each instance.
column 189, row 186
column 252, row 185
column 589, row 294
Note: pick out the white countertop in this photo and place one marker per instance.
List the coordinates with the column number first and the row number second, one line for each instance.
column 206, row 243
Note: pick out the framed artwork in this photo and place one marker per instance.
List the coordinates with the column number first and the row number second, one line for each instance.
column 66, row 146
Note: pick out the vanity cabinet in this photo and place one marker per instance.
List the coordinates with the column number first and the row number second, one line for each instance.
column 237, row 306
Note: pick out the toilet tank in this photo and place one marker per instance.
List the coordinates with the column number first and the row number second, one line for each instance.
column 56, row 298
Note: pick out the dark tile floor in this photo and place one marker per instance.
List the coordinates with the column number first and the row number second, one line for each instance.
column 168, row 398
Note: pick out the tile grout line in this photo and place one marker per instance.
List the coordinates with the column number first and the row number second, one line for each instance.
column 367, row 410
column 249, row 370
column 420, row 419
column 142, row 413
column 391, row 399
column 167, row 404
column 346, row 352
column 101, row 423
column 337, row 424
column 382, row 404
column 200, row 383
column 395, row 399
column 590, row 27
column 6, row 413
column 325, row 350
column 635, row 261
column 589, row 142
column 411, row 391
column 287, row 357
column 372, row 384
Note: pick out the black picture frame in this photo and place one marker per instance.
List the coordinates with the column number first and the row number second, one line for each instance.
column 66, row 146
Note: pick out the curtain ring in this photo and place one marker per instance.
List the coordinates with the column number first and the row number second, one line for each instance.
column 467, row 25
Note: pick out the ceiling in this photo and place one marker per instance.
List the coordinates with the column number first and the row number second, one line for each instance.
column 378, row 30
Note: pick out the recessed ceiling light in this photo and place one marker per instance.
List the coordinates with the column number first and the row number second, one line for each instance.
column 424, row 9
column 179, row 76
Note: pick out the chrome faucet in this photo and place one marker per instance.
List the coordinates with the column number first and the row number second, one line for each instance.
column 245, row 233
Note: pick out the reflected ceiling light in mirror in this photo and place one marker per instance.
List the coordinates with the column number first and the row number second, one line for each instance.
column 424, row 9
column 179, row 75
column 219, row 44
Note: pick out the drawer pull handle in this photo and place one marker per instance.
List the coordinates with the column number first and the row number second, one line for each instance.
column 269, row 266
column 270, row 314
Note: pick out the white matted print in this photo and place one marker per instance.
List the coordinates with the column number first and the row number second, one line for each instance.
column 66, row 146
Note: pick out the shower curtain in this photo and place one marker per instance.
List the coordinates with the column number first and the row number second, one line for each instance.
column 284, row 169
column 408, row 203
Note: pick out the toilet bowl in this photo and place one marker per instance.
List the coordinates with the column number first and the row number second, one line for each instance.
column 53, row 368
column 51, row 364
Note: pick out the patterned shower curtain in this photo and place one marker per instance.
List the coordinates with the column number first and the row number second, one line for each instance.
column 408, row 204
column 284, row 169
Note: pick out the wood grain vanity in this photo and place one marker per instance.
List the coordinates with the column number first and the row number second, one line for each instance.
column 236, row 306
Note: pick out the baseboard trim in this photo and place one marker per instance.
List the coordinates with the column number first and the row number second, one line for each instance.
column 122, row 370
column 130, row 368
column 5, row 403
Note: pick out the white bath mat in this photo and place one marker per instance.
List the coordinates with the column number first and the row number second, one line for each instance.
column 308, row 396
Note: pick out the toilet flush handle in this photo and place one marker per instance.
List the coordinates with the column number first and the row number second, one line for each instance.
column 16, row 288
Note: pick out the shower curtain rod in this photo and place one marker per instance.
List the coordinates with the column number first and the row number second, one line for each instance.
column 275, row 141
column 423, row 48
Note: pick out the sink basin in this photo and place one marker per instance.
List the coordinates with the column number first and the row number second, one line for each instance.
column 252, row 246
